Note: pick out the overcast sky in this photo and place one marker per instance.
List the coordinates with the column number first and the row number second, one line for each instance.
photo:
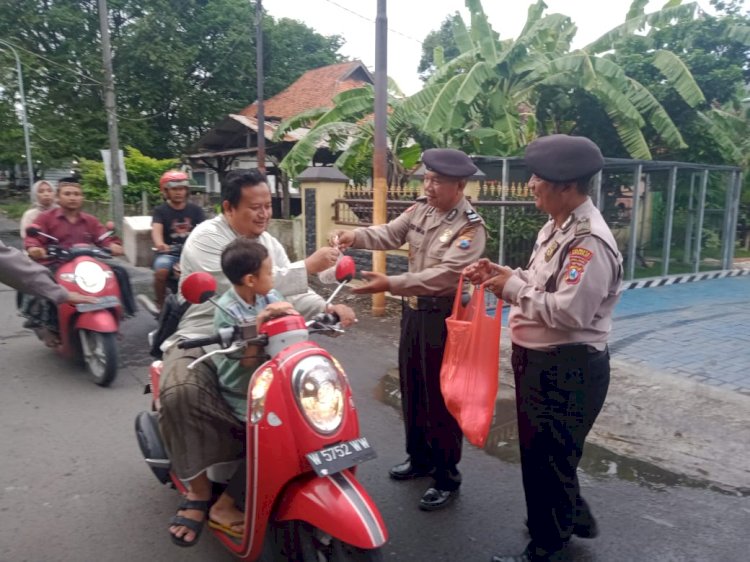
column 409, row 21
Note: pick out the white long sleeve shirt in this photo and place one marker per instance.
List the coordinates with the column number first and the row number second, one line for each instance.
column 202, row 252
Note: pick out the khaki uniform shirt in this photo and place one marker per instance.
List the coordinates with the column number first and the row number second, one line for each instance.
column 441, row 244
column 570, row 288
column 21, row 273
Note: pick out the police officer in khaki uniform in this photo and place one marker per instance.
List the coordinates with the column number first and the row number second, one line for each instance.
column 445, row 235
column 560, row 319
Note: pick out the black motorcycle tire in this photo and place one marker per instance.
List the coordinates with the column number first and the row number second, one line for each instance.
column 103, row 367
column 300, row 541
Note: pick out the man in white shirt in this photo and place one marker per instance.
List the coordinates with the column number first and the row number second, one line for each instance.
column 198, row 427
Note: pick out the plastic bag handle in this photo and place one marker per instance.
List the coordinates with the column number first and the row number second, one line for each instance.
column 476, row 297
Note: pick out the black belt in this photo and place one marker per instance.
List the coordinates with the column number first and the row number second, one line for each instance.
column 428, row 303
column 578, row 349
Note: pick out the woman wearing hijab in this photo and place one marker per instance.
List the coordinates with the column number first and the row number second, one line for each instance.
column 46, row 196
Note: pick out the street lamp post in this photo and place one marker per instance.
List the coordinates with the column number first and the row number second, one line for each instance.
column 29, row 163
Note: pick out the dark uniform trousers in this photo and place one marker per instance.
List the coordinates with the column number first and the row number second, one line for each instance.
column 433, row 437
column 559, row 394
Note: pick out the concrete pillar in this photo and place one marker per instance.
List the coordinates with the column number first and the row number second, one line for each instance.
column 320, row 186
column 136, row 240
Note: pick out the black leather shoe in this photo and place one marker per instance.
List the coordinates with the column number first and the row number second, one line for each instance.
column 519, row 558
column 586, row 528
column 532, row 554
column 434, row 499
column 407, row 471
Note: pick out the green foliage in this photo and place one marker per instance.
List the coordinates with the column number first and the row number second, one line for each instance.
column 179, row 68
column 143, row 175
column 443, row 39
column 348, row 128
column 521, row 228
column 525, row 87
column 715, row 52
column 14, row 210
column 11, row 133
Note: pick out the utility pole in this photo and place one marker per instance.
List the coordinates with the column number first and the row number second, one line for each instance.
column 260, row 114
column 24, row 118
column 111, row 109
column 379, row 184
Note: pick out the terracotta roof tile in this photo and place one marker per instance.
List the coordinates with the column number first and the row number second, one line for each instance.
column 315, row 88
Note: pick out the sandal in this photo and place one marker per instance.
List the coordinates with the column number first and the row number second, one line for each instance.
column 227, row 529
column 192, row 524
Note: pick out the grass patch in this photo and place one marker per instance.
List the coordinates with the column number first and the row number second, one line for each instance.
column 14, row 210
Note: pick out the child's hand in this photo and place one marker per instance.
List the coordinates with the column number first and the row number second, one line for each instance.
column 274, row 310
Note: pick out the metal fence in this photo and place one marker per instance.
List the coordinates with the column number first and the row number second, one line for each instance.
column 509, row 212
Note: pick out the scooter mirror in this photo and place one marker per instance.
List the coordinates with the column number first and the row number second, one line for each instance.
column 345, row 269
column 198, row 287
column 32, row 230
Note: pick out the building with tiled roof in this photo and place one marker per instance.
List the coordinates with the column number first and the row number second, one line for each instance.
column 315, row 88
column 232, row 143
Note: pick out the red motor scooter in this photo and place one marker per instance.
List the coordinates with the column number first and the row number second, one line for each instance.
column 304, row 502
column 88, row 331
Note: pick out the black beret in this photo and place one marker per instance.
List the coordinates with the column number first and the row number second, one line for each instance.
column 560, row 158
column 448, row 162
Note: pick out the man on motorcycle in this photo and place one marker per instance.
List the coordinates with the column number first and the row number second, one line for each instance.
column 172, row 221
column 198, row 426
column 71, row 226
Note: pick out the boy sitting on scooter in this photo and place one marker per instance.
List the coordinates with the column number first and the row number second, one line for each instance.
column 248, row 267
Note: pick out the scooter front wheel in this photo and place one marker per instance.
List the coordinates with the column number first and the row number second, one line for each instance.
column 100, row 355
column 297, row 540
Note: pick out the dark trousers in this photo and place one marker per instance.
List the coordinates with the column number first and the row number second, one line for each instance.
column 433, row 437
column 559, row 394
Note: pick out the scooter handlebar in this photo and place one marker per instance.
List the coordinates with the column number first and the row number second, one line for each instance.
column 326, row 318
column 200, row 342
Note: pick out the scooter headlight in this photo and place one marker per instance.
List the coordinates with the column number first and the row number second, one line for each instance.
column 319, row 389
column 90, row 277
column 259, row 386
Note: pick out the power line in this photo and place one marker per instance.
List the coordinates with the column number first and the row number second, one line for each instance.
column 69, row 69
column 372, row 21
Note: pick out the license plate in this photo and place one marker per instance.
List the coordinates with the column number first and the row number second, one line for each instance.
column 101, row 304
column 341, row 456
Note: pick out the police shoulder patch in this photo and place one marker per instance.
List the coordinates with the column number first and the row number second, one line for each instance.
column 578, row 257
column 463, row 242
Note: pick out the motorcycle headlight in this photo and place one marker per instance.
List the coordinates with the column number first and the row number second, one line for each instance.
column 319, row 389
column 259, row 386
column 90, row 277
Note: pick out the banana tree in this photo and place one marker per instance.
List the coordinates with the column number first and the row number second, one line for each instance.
column 347, row 129
column 486, row 99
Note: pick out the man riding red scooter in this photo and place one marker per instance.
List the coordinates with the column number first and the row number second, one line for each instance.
column 74, row 244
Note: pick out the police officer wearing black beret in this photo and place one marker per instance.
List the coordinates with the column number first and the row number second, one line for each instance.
column 445, row 235
column 560, row 319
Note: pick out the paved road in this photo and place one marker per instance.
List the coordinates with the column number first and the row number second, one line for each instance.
column 75, row 488
column 698, row 330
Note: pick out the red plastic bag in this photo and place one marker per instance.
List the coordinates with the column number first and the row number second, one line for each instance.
column 470, row 373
